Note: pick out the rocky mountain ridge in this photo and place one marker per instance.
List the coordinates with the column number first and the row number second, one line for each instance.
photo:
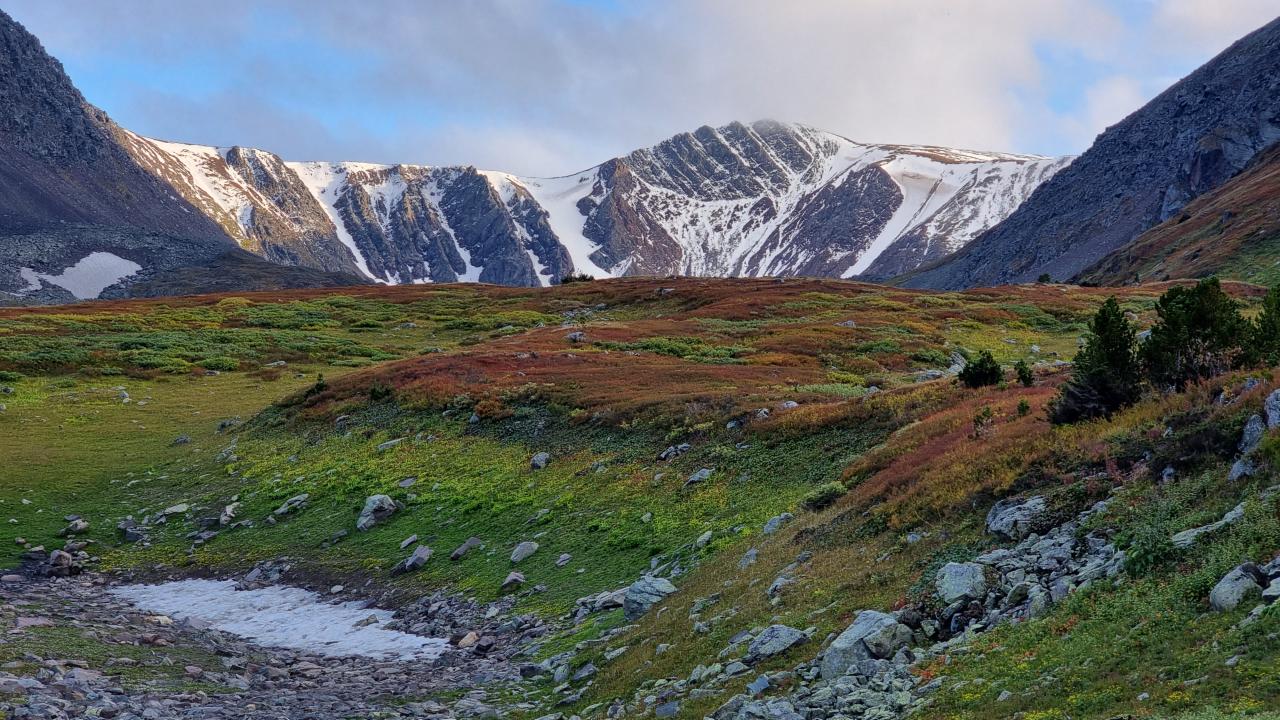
column 1192, row 138
column 764, row 199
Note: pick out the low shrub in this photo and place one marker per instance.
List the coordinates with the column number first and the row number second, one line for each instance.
column 823, row 496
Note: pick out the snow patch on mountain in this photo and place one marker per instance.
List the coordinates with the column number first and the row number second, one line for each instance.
column 87, row 278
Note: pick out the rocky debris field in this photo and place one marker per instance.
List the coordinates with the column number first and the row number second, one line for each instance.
column 74, row 651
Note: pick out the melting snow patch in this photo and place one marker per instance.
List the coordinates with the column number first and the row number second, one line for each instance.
column 86, row 280
column 285, row 617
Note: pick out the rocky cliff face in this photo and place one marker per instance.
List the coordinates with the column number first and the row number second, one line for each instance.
column 1190, row 139
column 764, row 199
column 781, row 199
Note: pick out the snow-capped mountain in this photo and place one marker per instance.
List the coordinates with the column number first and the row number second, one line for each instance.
column 761, row 199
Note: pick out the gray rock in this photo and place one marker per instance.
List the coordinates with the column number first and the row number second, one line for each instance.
column 376, row 509
column 1254, row 429
column 1235, row 586
column 523, row 551
column 471, row 544
column 667, row 709
column 293, row 504
column 774, row 640
column 759, row 685
column 383, row 447
column 514, row 580
column 958, row 581
column 698, row 477
column 1272, row 408
column 539, row 461
column 1014, row 519
column 748, row 559
column 776, row 522
column 416, row 560
column 1269, row 595
column 577, row 336
column 1187, row 538
column 643, row 594
column 872, row 636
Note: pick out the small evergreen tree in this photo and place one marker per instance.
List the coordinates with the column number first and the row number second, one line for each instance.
column 1106, row 375
column 982, row 372
column 1044, row 278
column 1266, row 331
column 1199, row 334
column 1023, row 370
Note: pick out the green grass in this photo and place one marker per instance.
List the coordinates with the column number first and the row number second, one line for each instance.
column 70, row 445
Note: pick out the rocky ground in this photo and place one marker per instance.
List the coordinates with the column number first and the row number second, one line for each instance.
column 101, row 657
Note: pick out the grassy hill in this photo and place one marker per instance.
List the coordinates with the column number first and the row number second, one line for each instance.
column 829, row 400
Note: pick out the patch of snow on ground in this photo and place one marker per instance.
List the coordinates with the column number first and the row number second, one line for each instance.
column 285, row 617
column 86, row 280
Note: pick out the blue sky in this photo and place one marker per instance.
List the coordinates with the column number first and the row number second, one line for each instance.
column 551, row 86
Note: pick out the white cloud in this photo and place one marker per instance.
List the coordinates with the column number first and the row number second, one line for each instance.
column 1208, row 26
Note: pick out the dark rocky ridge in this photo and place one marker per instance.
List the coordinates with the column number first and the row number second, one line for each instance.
column 61, row 160
column 1190, row 139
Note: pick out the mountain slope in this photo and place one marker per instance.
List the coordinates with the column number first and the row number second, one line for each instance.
column 1233, row 232
column 1187, row 141
column 79, row 216
column 764, row 199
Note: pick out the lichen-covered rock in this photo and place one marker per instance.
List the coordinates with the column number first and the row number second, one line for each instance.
column 376, row 509
column 774, row 640
column 1243, row 580
column 1272, row 408
column 1013, row 518
column 643, row 594
column 873, row 635
column 958, row 581
column 523, row 551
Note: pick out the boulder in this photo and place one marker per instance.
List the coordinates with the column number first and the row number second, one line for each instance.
column 872, row 636
column 1272, row 408
column 77, row 526
column 376, row 509
column 1187, row 538
column 383, row 447
column 774, row 640
column 698, row 477
column 523, row 551
column 1254, row 429
column 643, row 593
column 539, row 461
column 577, row 336
column 513, row 581
column 776, row 522
column 416, row 560
column 957, row 581
column 471, row 544
column 1014, row 518
column 1243, row 580
column 297, row 502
